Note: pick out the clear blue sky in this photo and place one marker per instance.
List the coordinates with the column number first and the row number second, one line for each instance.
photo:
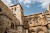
column 30, row 6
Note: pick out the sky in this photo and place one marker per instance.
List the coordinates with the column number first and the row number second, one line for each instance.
column 30, row 6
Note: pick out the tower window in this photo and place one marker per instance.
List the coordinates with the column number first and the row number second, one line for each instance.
column 15, row 8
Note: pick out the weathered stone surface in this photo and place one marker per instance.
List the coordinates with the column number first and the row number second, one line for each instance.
column 13, row 20
column 7, row 11
column 5, row 23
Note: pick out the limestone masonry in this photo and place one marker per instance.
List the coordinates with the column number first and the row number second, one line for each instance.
column 12, row 20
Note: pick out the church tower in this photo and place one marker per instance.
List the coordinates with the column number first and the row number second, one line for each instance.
column 17, row 12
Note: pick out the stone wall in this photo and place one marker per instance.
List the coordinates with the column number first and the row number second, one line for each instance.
column 13, row 20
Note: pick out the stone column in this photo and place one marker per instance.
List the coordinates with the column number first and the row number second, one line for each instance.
column 26, row 30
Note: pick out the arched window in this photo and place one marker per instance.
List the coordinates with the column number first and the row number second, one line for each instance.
column 12, row 25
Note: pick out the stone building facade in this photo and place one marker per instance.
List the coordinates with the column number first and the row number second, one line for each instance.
column 12, row 20
column 7, row 20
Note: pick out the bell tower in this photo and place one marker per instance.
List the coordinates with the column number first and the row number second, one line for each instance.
column 17, row 12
